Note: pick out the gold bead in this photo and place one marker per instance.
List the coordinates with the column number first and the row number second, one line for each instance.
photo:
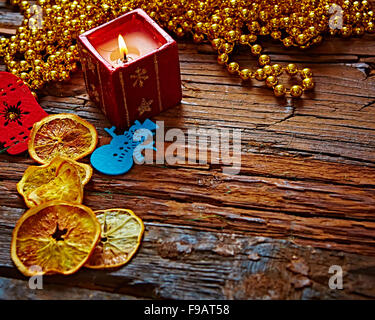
column 256, row 49
column 306, row 73
column 291, row 69
column 198, row 38
column 38, row 70
column 222, row 59
column 268, row 70
column 51, row 59
column 245, row 74
column 301, row 39
column 346, row 31
column 14, row 71
column 216, row 44
column 12, row 64
column 37, row 84
column 264, row 59
column 271, row 81
column 73, row 49
column 190, row 14
column 24, row 65
column 3, row 41
column 264, row 31
column 276, row 35
column 227, row 48
column 24, row 5
column 260, row 75
column 30, row 55
column 279, row 90
column 296, row 91
column 39, row 45
column 288, row 42
column 228, row 22
column 365, row 3
column 277, row 69
column 252, row 38
column 53, row 75
column 187, row 26
column 180, row 32
column 199, row 27
column 233, row 67
column 308, row 84
column 37, row 62
column 12, row 49
column 317, row 40
column 24, row 76
column 254, row 27
column 359, row 31
column 370, row 28
column 244, row 39
column 216, row 19
column 64, row 75
column 231, row 36
column 23, row 45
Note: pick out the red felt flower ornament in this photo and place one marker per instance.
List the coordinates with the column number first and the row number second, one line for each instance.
column 18, row 112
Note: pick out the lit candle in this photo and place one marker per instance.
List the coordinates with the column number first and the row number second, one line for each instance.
column 123, row 49
column 133, row 45
column 131, row 68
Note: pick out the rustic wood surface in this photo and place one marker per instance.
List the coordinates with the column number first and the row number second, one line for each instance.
column 303, row 201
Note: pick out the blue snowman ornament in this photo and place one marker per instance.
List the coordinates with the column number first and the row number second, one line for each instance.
column 118, row 157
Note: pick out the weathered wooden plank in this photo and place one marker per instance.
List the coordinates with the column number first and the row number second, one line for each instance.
column 334, row 211
column 307, row 175
column 14, row 289
column 183, row 263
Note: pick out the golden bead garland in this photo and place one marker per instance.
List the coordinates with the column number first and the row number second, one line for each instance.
column 49, row 53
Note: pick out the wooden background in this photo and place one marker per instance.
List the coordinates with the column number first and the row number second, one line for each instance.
column 303, row 201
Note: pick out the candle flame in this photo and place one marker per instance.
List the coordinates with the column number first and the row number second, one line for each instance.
column 122, row 47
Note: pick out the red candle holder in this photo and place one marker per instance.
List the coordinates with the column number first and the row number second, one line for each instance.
column 141, row 87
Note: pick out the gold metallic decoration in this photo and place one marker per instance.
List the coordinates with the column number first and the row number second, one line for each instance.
column 156, row 64
column 139, row 77
column 44, row 51
column 145, row 106
column 122, row 83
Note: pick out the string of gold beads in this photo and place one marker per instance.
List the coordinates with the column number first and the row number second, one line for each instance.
column 266, row 72
column 49, row 53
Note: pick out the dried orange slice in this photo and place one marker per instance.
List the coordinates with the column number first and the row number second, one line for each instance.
column 121, row 236
column 55, row 237
column 64, row 134
column 66, row 186
column 36, row 176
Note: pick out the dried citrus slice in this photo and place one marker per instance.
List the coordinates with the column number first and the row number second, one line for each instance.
column 121, row 236
column 36, row 176
column 64, row 134
column 66, row 186
column 55, row 237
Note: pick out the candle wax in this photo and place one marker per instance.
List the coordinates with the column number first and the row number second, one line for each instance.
column 138, row 44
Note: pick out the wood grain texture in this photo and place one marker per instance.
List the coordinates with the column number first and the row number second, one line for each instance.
column 304, row 199
column 13, row 289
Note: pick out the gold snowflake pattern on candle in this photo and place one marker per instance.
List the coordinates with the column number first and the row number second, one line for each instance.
column 140, row 77
column 145, row 106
